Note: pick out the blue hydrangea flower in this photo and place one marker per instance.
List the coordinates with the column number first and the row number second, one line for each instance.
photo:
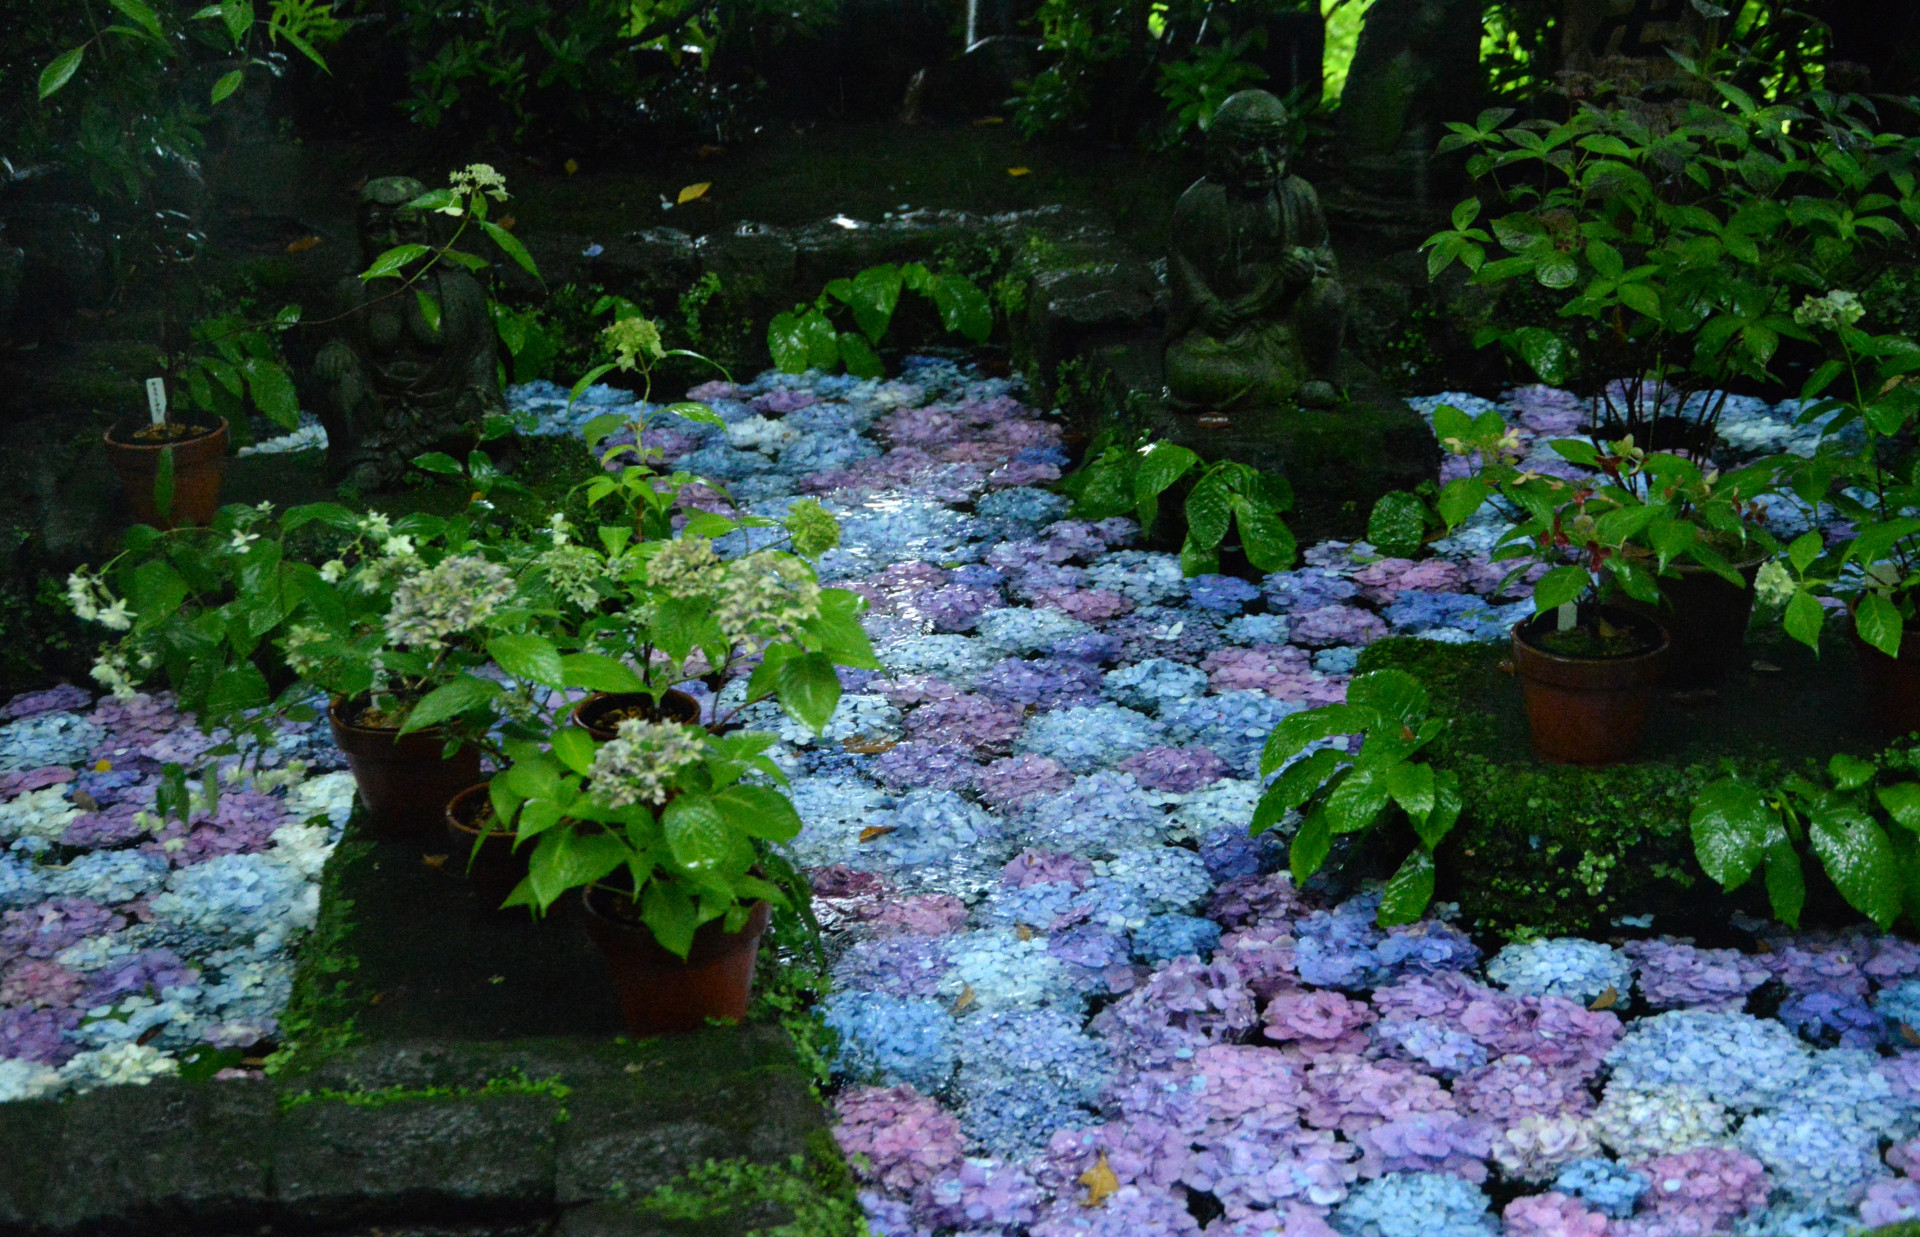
column 1257, row 629
column 48, row 739
column 1154, row 685
column 1609, row 1188
column 1581, row 971
column 898, row 1039
column 1787, row 1220
column 1415, row 1205
column 1308, row 588
column 1899, row 1005
column 1142, row 576
column 1019, row 632
column 1025, row 1073
column 1099, row 814
column 1233, row 725
column 1023, row 504
column 1088, row 737
column 1339, row 660
column 1416, row 613
column 1743, row 1062
column 1816, row 1160
column 1166, row 937
column 1223, row 594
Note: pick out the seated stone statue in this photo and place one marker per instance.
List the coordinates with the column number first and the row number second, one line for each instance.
column 1258, row 312
column 397, row 382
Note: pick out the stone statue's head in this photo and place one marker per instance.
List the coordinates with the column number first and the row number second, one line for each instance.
column 385, row 218
column 1249, row 142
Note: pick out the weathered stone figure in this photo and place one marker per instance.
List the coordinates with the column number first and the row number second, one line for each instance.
column 1258, row 310
column 398, row 383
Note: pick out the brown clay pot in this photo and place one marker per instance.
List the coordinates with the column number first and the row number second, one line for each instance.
column 1706, row 618
column 496, row 869
column 1891, row 684
column 658, row 993
column 199, row 464
column 404, row 784
column 1587, row 710
column 590, row 714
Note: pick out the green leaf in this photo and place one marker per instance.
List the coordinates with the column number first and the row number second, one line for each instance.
column 1357, row 801
column 1209, row 511
column 1312, row 725
column 1264, row 537
column 760, row 812
column 787, row 341
column 239, row 686
column 1158, row 467
column 1902, row 802
column 1460, row 498
column 440, row 462
column 860, row 358
column 1447, row 805
column 569, row 858
column 1392, row 694
column 228, row 83
column 238, row 17
column 1310, row 847
column 157, row 592
column 511, row 246
column 461, row 695
column 1398, row 525
column 1786, row 883
column 1409, row 890
column 273, row 391
column 1296, row 785
column 1879, row 623
column 429, row 306
column 1850, row 772
column 574, row 748
column 1859, row 860
column 1804, row 618
column 529, row 658
column 598, row 672
column 671, row 916
column 1731, row 823
column 142, row 16
column 1559, row 586
column 1545, row 352
column 1412, row 787
column 1803, row 550
column 839, row 635
column 61, row 71
column 389, row 263
column 697, row 833
column 808, row 689
column 963, row 307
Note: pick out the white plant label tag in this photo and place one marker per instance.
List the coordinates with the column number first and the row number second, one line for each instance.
column 157, row 399
column 1567, row 615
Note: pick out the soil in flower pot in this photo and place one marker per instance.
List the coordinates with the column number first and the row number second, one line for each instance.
column 405, row 784
column 1891, row 684
column 199, row 465
column 600, row 714
column 496, row 868
column 1706, row 618
column 1587, row 689
column 661, row 994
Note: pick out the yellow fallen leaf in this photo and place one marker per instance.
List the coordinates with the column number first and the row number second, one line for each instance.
column 990, row 120
column 1909, row 1034
column 506, row 222
column 694, row 192
column 966, row 999
column 572, row 166
column 103, row 766
column 876, row 831
column 1101, row 1182
column 1023, row 931
column 1607, row 999
column 1018, row 171
column 868, row 747
column 434, row 861
column 303, row 244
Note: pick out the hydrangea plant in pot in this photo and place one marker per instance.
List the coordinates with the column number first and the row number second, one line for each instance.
column 1875, row 569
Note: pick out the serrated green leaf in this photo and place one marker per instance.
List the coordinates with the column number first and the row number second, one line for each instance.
column 808, row 689
column 1398, row 525
column 1409, row 890
column 60, row 71
column 528, row 658
column 1902, row 801
column 1859, row 860
column 1559, row 586
column 574, row 748
column 697, row 833
column 598, row 672
column 511, row 246
column 1786, row 883
column 1392, row 694
column 1731, row 824
column 1850, row 772
column 1878, row 622
column 389, row 264
column 461, row 695
column 228, row 83
column 1310, row 847
column 759, row 811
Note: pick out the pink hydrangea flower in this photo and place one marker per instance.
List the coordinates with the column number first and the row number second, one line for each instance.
column 1711, row 1185
column 907, row 1139
column 926, row 914
column 1038, row 867
column 1312, row 1023
column 1335, row 625
column 1551, row 1215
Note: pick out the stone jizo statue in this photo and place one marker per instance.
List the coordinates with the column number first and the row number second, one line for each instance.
column 1258, row 310
column 397, row 382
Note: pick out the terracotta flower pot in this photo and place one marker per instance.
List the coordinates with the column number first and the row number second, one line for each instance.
column 496, row 869
column 1588, row 710
column 660, row 994
column 404, row 784
column 1891, row 684
column 591, row 714
column 199, row 464
column 1706, row 618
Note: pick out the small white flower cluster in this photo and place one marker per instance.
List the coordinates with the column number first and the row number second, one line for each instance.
column 1639, row 1123
column 476, row 178
column 636, row 766
column 1832, row 311
column 764, row 596
column 457, row 595
column 93, row 603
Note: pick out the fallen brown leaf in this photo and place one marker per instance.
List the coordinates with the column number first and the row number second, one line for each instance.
column 1101, row 1182
column 876, row 831
column 1607, row 999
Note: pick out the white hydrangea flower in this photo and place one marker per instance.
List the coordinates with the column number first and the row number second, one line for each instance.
column 119, row 1065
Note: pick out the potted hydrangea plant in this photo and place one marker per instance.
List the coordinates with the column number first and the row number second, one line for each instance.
column 1875, row 569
